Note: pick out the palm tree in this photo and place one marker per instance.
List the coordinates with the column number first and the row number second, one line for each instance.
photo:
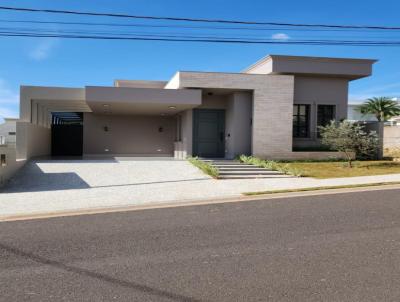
column 382, row 107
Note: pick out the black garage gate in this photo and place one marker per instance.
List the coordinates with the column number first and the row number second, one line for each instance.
column 67, row 134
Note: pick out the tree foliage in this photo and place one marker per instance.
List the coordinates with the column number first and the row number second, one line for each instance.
column 383, row 108
column 349, row 138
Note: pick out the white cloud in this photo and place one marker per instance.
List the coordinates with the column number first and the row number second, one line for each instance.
column 42, row 50
column 280, row 36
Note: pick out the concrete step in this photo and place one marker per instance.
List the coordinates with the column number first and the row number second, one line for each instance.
column 231, row 165
column 239, row 168
column 266, row 172
column 252, row 176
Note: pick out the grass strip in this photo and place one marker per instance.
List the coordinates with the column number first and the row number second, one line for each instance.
column 203, row 166
column 321, row 188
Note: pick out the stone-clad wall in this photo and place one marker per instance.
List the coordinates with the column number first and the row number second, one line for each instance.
column 272, row 106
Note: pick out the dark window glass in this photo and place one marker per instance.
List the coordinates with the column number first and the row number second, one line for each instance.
column 11, row 133
column 301, row 120
column 326, row 113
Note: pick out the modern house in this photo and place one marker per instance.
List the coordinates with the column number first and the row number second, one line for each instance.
column 271, row 110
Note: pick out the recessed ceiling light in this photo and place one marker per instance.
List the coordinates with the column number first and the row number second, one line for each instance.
column 106, row 105
column 172, row 107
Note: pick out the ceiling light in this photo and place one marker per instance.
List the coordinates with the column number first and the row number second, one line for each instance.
column 106, row 105
column 172, row 107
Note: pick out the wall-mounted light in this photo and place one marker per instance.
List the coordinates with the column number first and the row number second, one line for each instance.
column 105, row 128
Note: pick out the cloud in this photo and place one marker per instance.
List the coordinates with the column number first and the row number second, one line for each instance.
column 42, row 50
column 280, row 36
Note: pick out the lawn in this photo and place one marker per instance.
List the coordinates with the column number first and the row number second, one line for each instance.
column 340, row 169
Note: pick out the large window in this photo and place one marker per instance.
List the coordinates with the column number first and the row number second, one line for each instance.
column 301, row 120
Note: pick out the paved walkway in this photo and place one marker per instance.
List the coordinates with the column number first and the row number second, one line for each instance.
column 56, row 185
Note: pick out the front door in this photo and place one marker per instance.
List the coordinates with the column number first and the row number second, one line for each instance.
column 209, row 132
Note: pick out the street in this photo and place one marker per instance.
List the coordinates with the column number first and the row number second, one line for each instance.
column 342, row 247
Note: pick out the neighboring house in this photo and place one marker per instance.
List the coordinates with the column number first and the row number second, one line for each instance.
column 354, row 115
column 8, row 131
column 268, row 110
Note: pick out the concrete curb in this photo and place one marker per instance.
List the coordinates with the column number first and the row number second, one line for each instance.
column 188, row 202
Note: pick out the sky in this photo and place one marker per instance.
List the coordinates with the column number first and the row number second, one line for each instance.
column 79, row 63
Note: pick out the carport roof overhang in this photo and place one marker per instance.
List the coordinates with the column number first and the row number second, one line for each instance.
column 143, row 101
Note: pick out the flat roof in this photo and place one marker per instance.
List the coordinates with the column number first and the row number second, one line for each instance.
column 307, row 58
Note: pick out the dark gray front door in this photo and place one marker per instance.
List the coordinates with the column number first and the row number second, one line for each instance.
column 209, row 133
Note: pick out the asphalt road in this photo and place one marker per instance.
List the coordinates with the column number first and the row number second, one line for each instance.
column 343, row 247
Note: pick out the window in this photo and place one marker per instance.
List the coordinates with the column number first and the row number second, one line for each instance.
column 326, row 113
column 3, row 160
column 11, row 133
column 301, row 120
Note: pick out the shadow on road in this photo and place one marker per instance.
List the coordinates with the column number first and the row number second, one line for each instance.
column 102, row 277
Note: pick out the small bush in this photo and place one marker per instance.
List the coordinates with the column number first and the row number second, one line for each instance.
column 205, row 167
column 350, row 138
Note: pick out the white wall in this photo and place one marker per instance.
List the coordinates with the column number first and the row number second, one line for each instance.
column 238, row 124
column 32, row 140
column 12, row 165
column 187, row 132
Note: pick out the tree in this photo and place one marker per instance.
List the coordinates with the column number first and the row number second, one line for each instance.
column 349, row 138
column 382, row 107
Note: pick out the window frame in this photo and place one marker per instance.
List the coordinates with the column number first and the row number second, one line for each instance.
column 296, row 129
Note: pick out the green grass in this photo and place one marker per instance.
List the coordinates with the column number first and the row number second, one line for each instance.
column 340, row 169
column 327, row 169
column 205, row 167
column 321, row 188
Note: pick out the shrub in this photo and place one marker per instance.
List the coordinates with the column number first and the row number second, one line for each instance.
column 271, row 165
column 349, row 138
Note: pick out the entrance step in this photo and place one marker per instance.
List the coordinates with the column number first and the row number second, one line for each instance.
column 233, row 169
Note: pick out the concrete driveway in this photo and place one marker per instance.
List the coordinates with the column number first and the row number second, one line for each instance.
column 46, row 186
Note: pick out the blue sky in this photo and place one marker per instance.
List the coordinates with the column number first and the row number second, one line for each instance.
column 76, row 63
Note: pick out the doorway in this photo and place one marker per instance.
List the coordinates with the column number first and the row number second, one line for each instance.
column 209, row 133
column 67, row 134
